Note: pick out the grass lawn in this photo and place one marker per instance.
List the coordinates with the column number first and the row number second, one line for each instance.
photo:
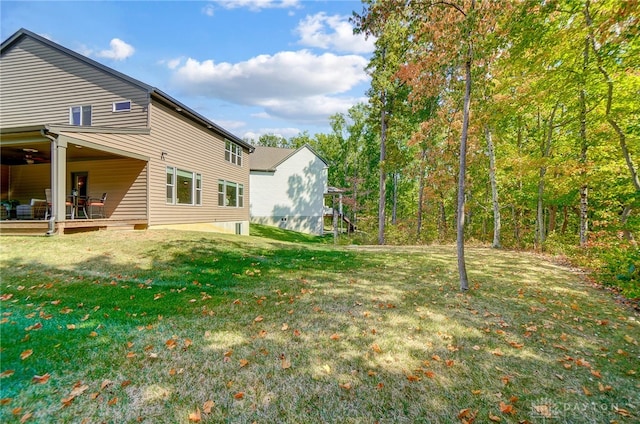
column 176, row 327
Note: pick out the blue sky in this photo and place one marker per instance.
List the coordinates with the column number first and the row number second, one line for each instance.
column 251, row 66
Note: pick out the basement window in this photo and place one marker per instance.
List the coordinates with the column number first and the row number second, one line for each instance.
column 122, row 106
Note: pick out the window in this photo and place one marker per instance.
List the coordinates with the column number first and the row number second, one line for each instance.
column 80, row 116
column 183, row 187
column 233, row 153
column 122, row 106
column 170, row 185
column 230, row 194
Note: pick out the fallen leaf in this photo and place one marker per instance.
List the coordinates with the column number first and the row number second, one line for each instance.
column 259, row 318
column 285, row 364
column 543, row 410
column 208, row 406
column 7, row 373
column 376, row 348
column 494, row 418
column 113, row 401
column 40, row 379
column 622, row 412
column 26, row 417
column 334, row 336
column 284, row 327
column 67, row 401
column 630, row 339
column 296, row 333
column 78, row 389
column 243, row 363
column 239, row 395
column 24, row 355
column 93, row 334
column 476, row 392
column 412, row 378
column 346, row 386
column 497, row 352
column 195, row 417
column 435, row 357
column 586, row 391
column 506, row 408
column 604, row 388
column 5, row 401
column 449, row 362
column 596, row 373
column 131, row 355
column 171, row 343
column 125, row 383
column 187, row 343
column 16, row 411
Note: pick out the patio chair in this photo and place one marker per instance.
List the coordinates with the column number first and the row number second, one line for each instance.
column 97, row 204
column 68, row 204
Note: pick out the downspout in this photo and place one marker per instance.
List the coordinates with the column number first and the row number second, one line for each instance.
column 54, row 149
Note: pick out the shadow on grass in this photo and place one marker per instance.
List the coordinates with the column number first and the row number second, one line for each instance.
column 279, row 234
column 369, row 336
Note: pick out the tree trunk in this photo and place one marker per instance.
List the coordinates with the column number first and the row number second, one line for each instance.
column 383, row 176
column 553, row 212
column 565, row 220
column 545, row 151
column 584, row 190
column 624, row 217
column 540, row 227
column 394, row 212
column 494, row 189
column 622, row 138
column 462, row 267
column 442, row 221
column 421, row 191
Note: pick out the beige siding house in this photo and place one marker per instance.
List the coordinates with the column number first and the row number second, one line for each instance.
column 72, row 130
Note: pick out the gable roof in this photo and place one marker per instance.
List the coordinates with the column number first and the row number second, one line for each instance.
column 269, row 158
column 153, row 91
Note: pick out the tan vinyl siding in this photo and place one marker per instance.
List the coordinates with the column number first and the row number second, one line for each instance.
column 39, row 84
column 193, row 148
column 124, row 181
column 28, row 181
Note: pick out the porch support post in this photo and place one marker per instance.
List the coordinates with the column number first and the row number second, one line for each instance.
column 58, row 172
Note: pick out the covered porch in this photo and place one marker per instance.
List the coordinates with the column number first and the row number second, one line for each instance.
column 53, row 178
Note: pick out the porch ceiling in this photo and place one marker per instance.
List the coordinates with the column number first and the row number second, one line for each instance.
column 26, row 151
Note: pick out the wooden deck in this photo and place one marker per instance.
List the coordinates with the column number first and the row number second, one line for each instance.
column 39, row 227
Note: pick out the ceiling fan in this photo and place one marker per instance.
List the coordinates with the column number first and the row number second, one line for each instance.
column 30, row 158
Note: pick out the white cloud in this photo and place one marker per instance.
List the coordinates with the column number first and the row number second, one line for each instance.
column 208, row 10
column 174, row 63
column 332, row 32
column 296, row 85
column 119, row 50
column 286, row 74
column 257, row 5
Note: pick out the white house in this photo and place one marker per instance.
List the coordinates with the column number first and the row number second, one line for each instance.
column 287, row 188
